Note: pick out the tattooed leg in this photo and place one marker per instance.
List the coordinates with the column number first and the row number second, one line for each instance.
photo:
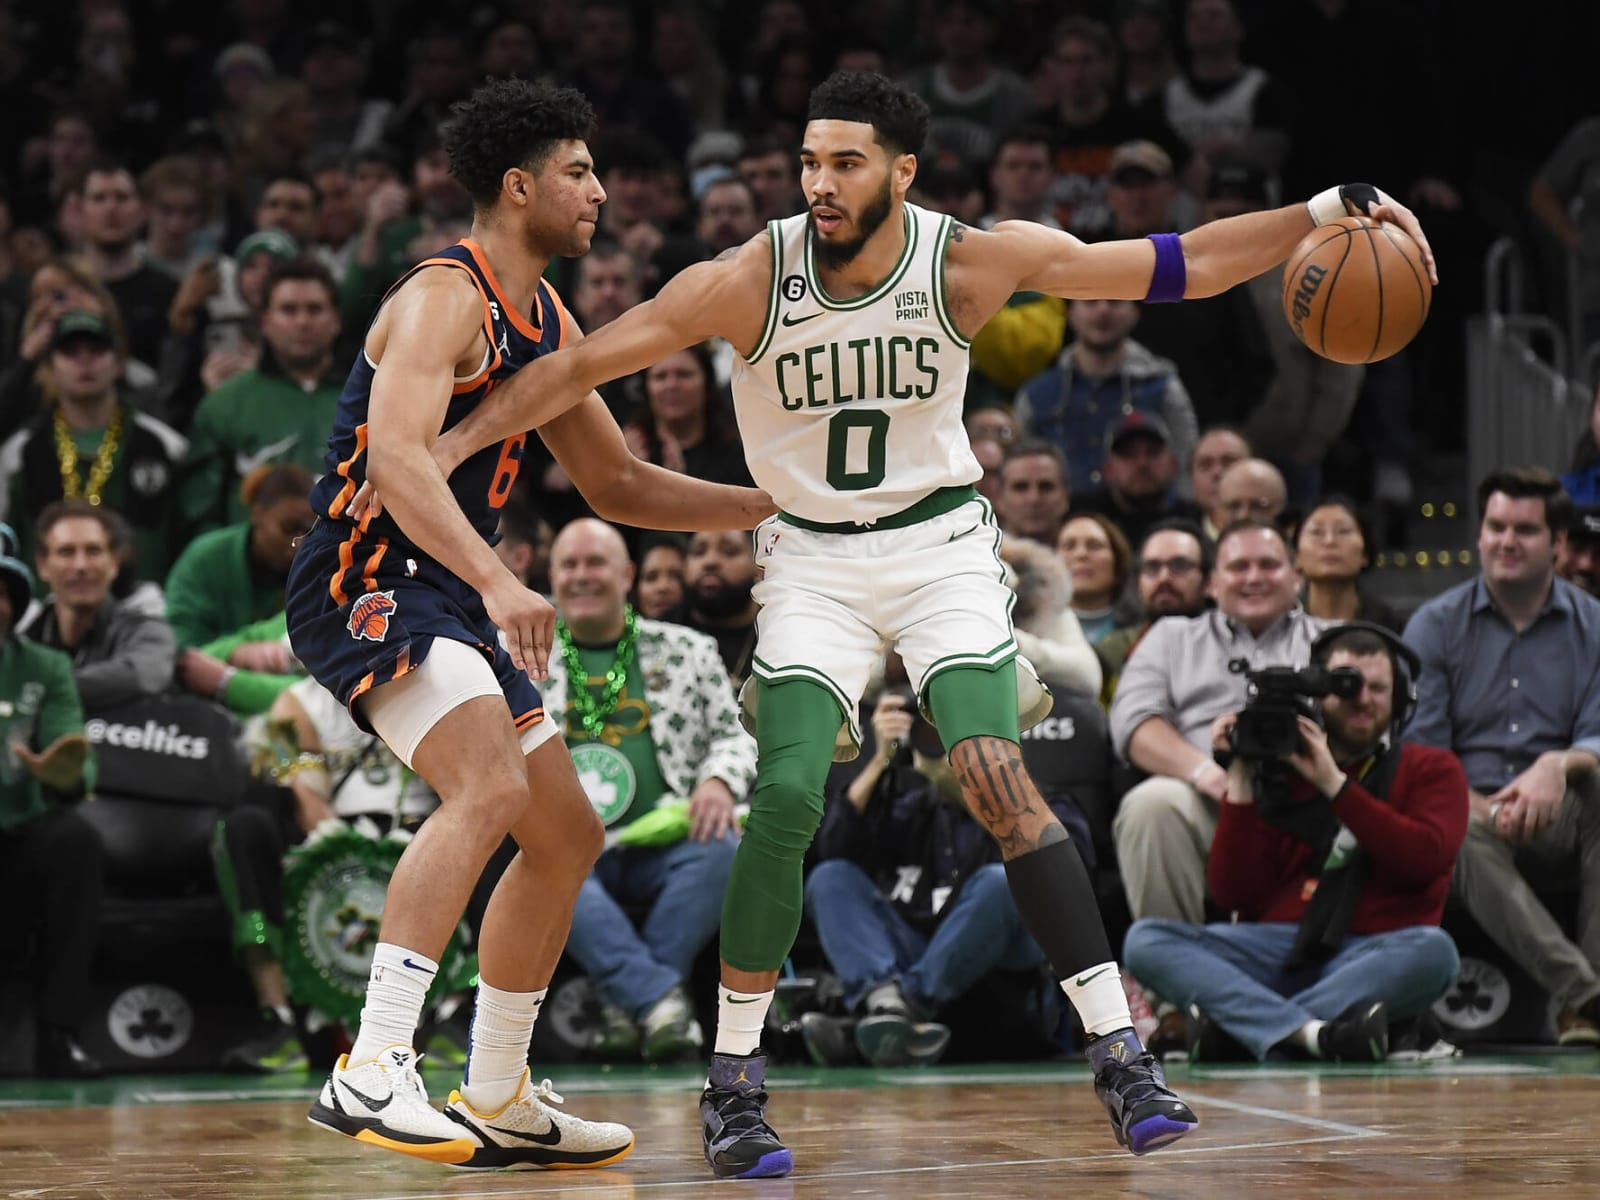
column 1048, row 881
column 1002, row 796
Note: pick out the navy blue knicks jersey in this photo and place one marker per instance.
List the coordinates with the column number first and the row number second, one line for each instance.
column 364, row 603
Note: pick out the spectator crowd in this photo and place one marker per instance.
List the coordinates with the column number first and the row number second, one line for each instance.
column 198, row 221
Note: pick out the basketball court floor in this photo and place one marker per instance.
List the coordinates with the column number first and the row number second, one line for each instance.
column 1463, row 1129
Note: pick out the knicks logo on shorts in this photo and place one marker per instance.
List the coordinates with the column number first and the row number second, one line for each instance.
column 369, row 616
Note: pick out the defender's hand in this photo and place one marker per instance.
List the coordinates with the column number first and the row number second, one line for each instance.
column 527, row 620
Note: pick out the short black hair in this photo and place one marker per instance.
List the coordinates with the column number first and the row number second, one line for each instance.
column 509, row 123
column 898, row 115
column 1524, row 483
column 299, row 269
column 1184, row 525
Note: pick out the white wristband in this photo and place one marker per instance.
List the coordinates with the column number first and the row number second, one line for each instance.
column 1199, row 770
column 1326, row 207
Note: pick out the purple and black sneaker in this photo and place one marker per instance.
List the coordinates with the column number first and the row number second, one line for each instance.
column 733, row 1112
column 1145, row 1114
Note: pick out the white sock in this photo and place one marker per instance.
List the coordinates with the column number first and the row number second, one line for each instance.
column 497, row 1048
column 1097, row 994
column 284, row 1013
column 740, row 1016
column 1308, row 1035
column 396, row 988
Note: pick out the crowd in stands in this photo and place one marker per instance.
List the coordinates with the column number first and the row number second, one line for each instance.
column 198, row 220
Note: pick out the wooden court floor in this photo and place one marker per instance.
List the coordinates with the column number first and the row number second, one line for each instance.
column 1462, row 1129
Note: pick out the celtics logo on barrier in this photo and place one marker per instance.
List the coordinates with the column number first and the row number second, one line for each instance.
column 607, row 777
column 334, row 889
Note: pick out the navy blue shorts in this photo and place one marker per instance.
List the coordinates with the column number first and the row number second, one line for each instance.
column 363, row 611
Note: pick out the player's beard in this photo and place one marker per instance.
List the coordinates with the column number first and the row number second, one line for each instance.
column 718, row 604
column 836, row 254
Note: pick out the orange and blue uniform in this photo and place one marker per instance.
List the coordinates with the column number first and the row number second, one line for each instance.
column 364, row 603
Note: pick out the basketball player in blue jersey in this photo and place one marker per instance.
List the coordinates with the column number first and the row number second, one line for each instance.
column 852, row 323
column 397, row 613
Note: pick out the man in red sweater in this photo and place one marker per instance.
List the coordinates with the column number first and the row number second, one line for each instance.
column 1322, row 975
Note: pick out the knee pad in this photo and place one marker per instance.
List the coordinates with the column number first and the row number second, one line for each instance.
column 784, row 816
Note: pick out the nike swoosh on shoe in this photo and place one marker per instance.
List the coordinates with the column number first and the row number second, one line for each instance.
column 373, row 1105
column 549, row 1137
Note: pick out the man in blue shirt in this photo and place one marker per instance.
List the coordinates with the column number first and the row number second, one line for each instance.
column 1511, row 684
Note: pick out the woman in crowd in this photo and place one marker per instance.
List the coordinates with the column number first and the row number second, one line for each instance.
column 1100, row 560
column 687, row 421
column 660, row 586
column 1330, row 550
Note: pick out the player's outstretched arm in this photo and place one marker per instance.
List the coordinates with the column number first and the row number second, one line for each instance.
column 1213, row 258
column 430, row 325
column 723, row 298
column 619, row 487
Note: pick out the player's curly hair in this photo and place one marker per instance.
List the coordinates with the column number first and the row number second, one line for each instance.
column 510, row 123
column 899, row 116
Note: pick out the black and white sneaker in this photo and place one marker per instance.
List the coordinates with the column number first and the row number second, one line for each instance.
column 528, row 1132
column 383, row 1103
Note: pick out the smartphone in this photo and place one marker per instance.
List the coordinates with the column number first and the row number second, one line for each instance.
column 226, row 336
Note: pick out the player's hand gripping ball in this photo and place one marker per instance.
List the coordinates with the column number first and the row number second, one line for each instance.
column 1356, row 290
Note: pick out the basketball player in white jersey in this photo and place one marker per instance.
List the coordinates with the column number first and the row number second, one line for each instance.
column 852, row 323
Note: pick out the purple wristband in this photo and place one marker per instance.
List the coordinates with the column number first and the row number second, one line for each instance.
column 1171, row 276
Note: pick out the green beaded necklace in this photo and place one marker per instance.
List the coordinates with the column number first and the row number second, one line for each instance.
column 592, row 713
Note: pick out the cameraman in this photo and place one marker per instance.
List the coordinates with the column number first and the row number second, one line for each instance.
column 1175, row 683
column 1338, row 881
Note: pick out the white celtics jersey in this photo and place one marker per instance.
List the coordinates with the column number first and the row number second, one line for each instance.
column 850, row 410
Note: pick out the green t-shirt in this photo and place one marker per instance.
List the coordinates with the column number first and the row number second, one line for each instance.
column 619, row 769
column 38, row 703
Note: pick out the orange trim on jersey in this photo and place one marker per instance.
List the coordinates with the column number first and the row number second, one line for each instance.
column 347, row 558
column 369, row 573
column 348, row 491
column 488, row 318
column 569, row 327
column 529, row 719
column 402, row 666
column 524, row 326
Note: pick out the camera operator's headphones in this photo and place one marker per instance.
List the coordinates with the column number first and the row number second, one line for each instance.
column 1403, row 654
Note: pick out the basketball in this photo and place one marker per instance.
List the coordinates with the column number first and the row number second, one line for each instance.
column 1356, row 290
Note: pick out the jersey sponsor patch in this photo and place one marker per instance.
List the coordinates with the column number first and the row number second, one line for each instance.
column 369, row 616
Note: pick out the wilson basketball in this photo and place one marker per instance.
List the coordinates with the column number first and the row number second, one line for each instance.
column 1356, row 290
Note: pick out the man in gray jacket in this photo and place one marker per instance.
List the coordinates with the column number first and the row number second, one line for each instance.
column 118, row 653
column 1175, row 683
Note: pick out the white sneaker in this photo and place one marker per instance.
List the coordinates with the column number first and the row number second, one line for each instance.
column 528, row 1132
column 383, row 1103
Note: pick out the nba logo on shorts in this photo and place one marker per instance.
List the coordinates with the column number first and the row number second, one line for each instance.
column 369, row 616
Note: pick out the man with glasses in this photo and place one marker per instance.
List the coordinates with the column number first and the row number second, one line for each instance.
column 1174, row 567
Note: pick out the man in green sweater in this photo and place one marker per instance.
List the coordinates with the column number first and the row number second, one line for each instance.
column 49, row 855
column 281, row 411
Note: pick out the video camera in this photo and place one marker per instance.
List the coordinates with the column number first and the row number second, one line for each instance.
column 1277, row 697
